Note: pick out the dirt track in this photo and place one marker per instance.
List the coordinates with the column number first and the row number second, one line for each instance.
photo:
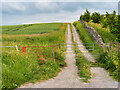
column 100, row 77
column 68, row 77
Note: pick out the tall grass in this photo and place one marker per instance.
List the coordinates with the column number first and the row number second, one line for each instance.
column 108, row 57
column 83, row 65
column 19, row 68
column 86, row 38
column 81, row 62
column 105, row 33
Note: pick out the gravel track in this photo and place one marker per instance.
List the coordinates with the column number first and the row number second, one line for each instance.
column 68, row 77
column 100, row 77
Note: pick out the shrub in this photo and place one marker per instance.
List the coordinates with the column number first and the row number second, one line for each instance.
column 110, row 61
column 81, row 17
column 96, row 17
column 86, row 17
column 60, row 59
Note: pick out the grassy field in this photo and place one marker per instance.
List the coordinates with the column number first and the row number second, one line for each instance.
column 19, row 68
column 108, row 58
column 31, row 28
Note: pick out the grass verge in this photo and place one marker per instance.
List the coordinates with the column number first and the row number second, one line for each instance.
column 82, row 63
column 83, row 67
column 108, row 57
column 105, row 33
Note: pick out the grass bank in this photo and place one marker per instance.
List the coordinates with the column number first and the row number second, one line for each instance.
column 86, row 38
column 19, row 68
column 105, row 33
column 108, row 58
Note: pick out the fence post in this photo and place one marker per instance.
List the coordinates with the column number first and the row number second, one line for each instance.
column 24, row 49
column 55, row 48
column 93, row 46
column 53, row 54
column 40, row 52
column 16, row 48
column 59, row 46
column 110, row 45
column 20, row 48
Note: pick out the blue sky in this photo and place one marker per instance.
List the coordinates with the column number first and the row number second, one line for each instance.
column 43, row 12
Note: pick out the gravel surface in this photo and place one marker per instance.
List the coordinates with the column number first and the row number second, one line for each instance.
column 100, row 77
column 68, row 77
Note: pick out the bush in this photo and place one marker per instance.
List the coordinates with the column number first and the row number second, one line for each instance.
column 81, row 17
column 110, row 61
column 86, row 17
column 96, row 17
column 60, row 59
column 112, row 20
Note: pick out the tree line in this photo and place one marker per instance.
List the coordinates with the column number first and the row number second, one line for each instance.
column 108, row 20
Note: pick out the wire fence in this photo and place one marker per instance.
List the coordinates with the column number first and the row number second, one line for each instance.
column 63, row 47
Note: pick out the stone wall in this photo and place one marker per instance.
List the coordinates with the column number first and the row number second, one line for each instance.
column 94, row 33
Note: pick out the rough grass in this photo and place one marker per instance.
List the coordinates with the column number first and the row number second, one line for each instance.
column 19, row 68
column 103, row 32
column 83, row 67
column 82, row 63
column 86, row 38
column 108, row 58
column 31, row 28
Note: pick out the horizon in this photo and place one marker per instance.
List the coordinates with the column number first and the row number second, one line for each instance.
column 33, row 23
column 18, row 13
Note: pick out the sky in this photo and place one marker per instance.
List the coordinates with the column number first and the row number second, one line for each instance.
column 21, row 12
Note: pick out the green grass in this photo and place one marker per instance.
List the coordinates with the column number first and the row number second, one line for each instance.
column 83, row 67
column 104, row 33
column 108, row 58
column 19, row 68
column 31, row 28
column 84, row 34
column 82, row 63
column 86, row 38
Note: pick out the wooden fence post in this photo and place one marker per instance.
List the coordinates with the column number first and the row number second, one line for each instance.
column 16, row 48
column 93, row 46
column 53, row 54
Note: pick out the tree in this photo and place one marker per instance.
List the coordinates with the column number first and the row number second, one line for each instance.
column 118, row 27
column 96, row 17
column 87, row 16
column 81, row 17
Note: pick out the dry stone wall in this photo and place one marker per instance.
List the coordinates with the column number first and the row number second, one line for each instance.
column 94, row 33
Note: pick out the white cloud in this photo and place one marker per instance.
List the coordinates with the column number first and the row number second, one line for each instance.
column 11, row 6
column 42, row 6
column 61, row 12
column 17, row 6
column 60, row 0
